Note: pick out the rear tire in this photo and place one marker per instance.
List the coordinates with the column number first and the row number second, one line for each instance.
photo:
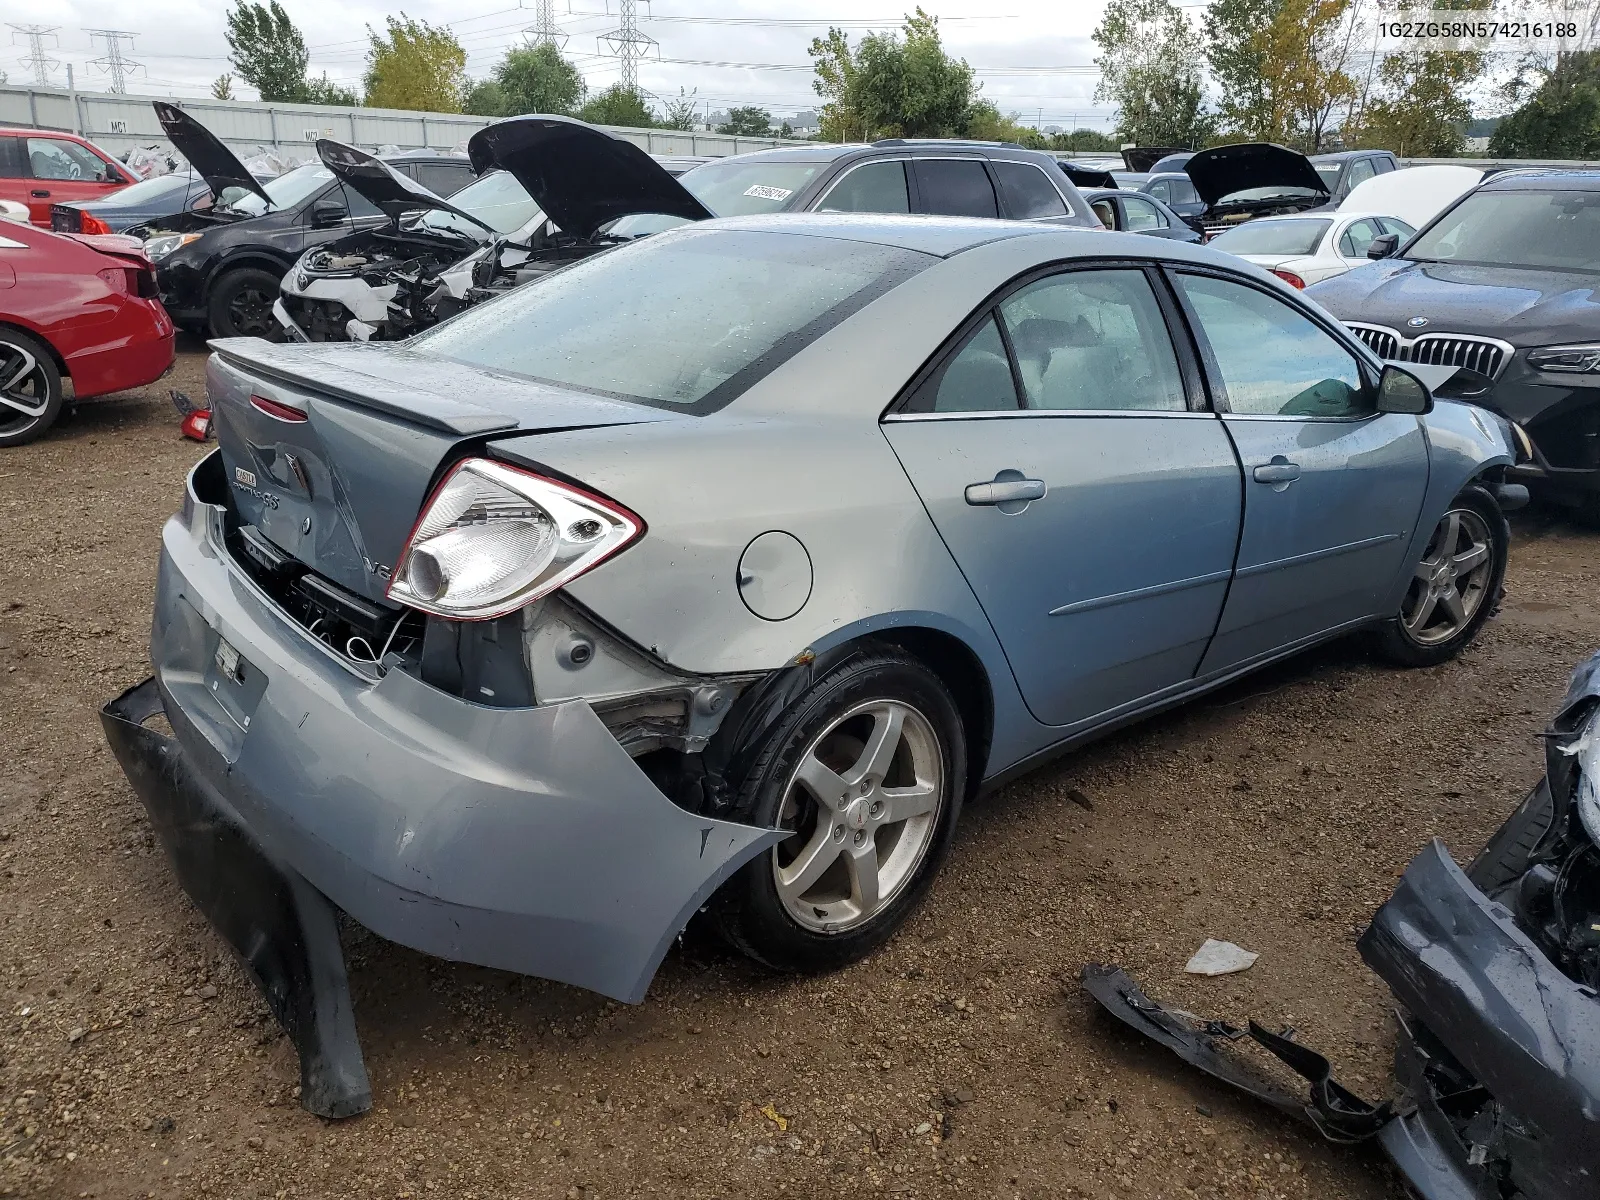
column 241, row 304
column 1456, row 586
column 31, row 394
column 867, row 767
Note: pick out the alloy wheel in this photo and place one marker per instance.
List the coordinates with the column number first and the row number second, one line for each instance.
column 24, row 388
column 250, row 312
column 863, row 805
column 1452, row 580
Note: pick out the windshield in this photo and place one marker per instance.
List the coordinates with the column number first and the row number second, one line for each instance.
column 1272, row 237
column 497, row 200
column 688, row 321
column 1558, row 230
column 147, row 191
column 1329, row 172
column 286, row 190
column 732, row 188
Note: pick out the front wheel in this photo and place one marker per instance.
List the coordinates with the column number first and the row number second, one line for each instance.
column 1455, row 587
column 865, row 771
column 241, row 305
column 30, row 388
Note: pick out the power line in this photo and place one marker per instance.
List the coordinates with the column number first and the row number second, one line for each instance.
column 36, row 58
column 113, row 63
column 545, row 31
column 628, row 44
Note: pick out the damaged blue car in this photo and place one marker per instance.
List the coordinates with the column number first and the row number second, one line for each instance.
column 718, row 570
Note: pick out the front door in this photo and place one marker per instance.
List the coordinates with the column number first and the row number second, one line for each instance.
column 1092, row 507
column 1332, row 487
column 64, row 170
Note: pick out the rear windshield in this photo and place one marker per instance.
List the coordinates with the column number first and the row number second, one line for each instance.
column 1272, row 237
column 1553, row 230
column 685, row 321
column 147, row 191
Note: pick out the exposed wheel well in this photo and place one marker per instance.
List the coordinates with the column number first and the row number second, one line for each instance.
column 55, row 355
column 960, row 670
column 256, row 262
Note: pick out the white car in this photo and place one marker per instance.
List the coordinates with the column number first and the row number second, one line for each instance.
column 1307, row 248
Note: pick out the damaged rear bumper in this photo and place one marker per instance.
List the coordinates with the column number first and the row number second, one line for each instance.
column 521, row 838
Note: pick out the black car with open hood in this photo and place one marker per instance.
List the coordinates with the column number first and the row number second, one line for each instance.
column 549, row 188
column 218, row 268
column 1254, row 179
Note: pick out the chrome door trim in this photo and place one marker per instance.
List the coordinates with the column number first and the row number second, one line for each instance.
column 1003, row 413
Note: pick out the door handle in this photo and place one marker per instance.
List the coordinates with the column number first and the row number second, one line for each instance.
column 1005, row 491
column 1280, row 471
column 40, row 194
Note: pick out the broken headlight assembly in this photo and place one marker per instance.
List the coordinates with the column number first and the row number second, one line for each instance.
column 492, row 538
column 1581, row 359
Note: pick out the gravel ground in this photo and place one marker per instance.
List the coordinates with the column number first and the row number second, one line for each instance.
column 961, row 1060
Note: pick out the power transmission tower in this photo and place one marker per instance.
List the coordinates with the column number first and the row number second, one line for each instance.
column 36, row 58
column 627, row 43
column 113, row 64
column 544, row 31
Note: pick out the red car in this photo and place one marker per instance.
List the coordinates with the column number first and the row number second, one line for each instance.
column 73, row 306
column 41, row 167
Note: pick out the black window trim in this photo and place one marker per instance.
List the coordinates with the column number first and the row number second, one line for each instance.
column 1066, row 201
column 1366, row 363
column 826, row 187
column 1178, row 333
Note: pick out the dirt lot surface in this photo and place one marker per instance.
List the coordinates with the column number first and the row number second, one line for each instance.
column 136, row 1060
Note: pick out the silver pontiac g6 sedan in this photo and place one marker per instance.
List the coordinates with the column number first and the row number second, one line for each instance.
column 718, row 570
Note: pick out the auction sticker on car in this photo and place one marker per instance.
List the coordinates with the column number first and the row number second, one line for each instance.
column 762, row 192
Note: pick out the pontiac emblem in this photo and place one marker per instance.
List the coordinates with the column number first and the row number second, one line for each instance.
column 1417, row 322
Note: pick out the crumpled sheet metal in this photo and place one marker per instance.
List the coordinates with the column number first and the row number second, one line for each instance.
column 283, row 930
column 1508, row 1015
column 1338, row 1114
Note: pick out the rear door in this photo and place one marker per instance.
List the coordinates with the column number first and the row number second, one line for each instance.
column 1061, row 450
column 65, row 170
column 1332, row 487
column 1028, row 193
column 956, row 187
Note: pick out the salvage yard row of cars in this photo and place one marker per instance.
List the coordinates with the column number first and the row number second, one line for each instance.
column 524, row 624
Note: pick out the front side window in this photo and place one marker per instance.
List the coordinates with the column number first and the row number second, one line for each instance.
column 956, row 187
column 1273, row 360
column 688, row 320
column 1558, row 230
column 57, row 158
column 1029, row 192
column 1162, row 191
column 1093, row 340
column 1142, row 214
column 1396, row 225
column 1357, row 238
column 878, row 187
column 1362, row 169
column 285, row 191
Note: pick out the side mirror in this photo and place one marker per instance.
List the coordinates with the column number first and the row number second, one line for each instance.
column 1383, row 245
column 1399, row 391
column 327, row 212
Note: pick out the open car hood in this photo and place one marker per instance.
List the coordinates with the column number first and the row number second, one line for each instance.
column 1226, row 170
column 217, row 165
column 1088, row 177
column 582, row 177
column 392, row 192
column 1139, row 159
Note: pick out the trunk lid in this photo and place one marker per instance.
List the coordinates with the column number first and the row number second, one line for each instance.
column 333, row 461
column 218, row 165
column 582, row 177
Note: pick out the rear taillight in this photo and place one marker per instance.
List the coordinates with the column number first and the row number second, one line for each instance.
column 1290, row 278
column 89, row 223
column 196, row 425
column 145, row 280
column 493, row 538
column 272, row 408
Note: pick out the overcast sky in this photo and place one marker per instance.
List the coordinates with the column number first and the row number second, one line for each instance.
column 1033, row 57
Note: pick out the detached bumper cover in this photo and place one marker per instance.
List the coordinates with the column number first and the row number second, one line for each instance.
column 522, row 839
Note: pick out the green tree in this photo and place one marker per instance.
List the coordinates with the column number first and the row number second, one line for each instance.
column 1305, row 50
column 267, row 51
column 1237, row 57
column 222, row 87
column 486, row 98
column 618, row 105
column 326, row 91
column 415, row 65
column 1421, row 108
column 985, row 122
column 1150, row 68
column 1561, row 118
column 893, row 84
column 537, row 79
column 1084, row 141
column 748, row 121
column 679, row 113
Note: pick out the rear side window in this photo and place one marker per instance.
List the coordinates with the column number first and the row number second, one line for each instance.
column 11, row 159
column 687, row 319
column 878, row 187
column 978, row 378
column 1028, row 191
column 443, row 179
column 956, row 187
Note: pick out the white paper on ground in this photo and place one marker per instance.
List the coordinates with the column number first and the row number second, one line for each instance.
column 1219, row 958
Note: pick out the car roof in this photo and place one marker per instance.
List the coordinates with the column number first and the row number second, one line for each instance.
column 1540, row 179
column 1342, row 155
column 940, row 236
column 823, row 152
